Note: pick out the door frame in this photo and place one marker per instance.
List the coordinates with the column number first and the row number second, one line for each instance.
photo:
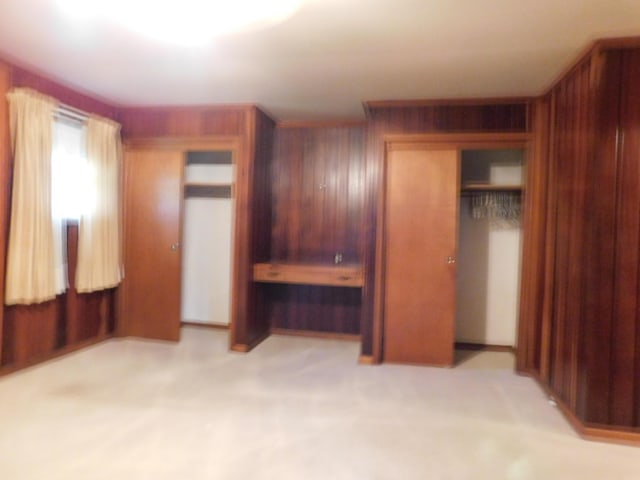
column 239, row 246
column 458, row 141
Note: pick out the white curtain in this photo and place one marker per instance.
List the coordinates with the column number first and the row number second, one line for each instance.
column 30, row 275
column 99, row 240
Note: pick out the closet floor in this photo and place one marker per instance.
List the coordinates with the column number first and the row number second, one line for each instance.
column 294, row 408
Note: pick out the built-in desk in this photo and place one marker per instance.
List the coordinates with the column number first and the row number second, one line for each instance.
column 342, row 275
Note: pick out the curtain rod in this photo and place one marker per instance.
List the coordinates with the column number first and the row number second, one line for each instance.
column 72, row 113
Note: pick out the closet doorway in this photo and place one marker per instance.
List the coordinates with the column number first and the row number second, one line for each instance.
column 179, row 231
column 207, row 249
column 441, row 278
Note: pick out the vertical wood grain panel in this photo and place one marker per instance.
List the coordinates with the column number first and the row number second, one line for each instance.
column 318, row 193
column 624, row 374
column 5, row 186
column 599, row 271
column 594, row 191
column 88, row 315
column 318, row 202
column 573, row 117
column 157, row 122
column 532, row 294
column 252, row 310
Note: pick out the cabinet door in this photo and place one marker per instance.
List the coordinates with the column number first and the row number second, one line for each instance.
column 421, row 212
column 150, row 305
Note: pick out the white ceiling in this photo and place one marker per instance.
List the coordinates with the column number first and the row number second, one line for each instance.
column 327, row 58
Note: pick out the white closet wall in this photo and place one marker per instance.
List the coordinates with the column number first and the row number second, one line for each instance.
column 488, row 273
column 207, row 243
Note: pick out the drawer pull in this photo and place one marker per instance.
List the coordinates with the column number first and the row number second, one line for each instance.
column 344, row 277
column 273, row 274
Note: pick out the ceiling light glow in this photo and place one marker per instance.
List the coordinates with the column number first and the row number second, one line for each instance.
column 183, row 22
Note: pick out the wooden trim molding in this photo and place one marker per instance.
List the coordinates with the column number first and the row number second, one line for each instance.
column 55, row 354
column 209, row 326
column 315, row 334
column 247, row 347
column 599, row 433
column 367, row 360
column 212, row 142
column 344, row 123
column 429, row 102
column 479, row 347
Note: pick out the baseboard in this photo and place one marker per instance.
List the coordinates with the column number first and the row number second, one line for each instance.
column 216, row 326
column 598, row 433
column 481, row 347
column 366, row 360
column 247, row 347
column 67, row 349
column 314, row 334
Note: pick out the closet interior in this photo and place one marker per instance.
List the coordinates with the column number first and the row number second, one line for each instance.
column 207, row 235
column 489, row 246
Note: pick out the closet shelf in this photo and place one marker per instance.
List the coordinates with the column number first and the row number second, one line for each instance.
column 487, row 187
column 207, row 184
column 208, row 190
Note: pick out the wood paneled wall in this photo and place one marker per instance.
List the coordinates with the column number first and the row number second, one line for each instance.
column 533, row 280
column 318, row 204
column 318, row 194
column 586, row 345
column 159, row 122
column 388, row 118
column 34, row 332
column 252, row 315
column 572, row 117
column 5, row 187
column 609, row 387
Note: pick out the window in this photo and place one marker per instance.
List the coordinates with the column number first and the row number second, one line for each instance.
column 71, row 196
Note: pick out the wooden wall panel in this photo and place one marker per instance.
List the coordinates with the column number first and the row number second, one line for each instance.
column 573, row 119
column 318, row 202
column 252, row 319
column 420, row 118
column 533, row 273
column 627, row 361
column 145, row 122
column 5, row 186
column 314, row 308
column 88, row 315
column 318, row 192
column 590, row 349
column 625, row 406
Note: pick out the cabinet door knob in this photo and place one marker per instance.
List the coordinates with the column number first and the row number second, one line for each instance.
column 451, row 259
column 175, row 246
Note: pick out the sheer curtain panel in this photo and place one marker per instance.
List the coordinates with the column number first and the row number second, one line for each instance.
column 99, row 246
column 30, row 275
